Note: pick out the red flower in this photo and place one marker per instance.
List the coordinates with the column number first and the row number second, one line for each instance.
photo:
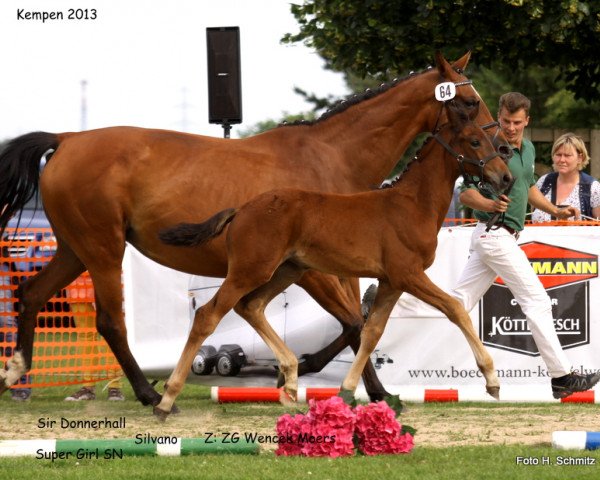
column 325, row 431
column 288, row 430
column 379, row 432
column 328, row 430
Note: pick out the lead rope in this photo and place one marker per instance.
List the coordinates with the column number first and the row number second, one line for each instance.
column 497, row 219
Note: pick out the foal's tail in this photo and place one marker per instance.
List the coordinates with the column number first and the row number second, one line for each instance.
column 20, row 171
column 190, row 234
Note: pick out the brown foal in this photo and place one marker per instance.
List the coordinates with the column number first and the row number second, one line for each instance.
column 390, row 234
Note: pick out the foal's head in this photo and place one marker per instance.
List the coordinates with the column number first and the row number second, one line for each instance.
column 477, row 157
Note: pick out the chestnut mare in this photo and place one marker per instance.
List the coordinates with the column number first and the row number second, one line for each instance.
column 105, row 187
column 389, row 234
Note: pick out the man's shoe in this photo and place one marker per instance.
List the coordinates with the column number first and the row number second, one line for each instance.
column 85, row 393
column 368, row 300
column 20, row 395
column 573, row 382
column 115, row 395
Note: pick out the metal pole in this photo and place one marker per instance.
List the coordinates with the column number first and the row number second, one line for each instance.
column 226, row 129
column 83, row 106
column 184, row 107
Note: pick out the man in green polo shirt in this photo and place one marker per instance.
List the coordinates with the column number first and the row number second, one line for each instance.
column 496, row 253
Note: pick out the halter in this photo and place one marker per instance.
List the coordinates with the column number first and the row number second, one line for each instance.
column 456, row 84
column 484, row 127
column 461, row 159
column 468, row 179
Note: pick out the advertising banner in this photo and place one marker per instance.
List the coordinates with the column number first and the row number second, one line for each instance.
column 428, row 350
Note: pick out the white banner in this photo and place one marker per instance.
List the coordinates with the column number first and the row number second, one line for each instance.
column 419, row 345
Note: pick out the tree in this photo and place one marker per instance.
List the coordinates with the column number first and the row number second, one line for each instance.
column 542, row 48
column 382, row 37
column 552, row 105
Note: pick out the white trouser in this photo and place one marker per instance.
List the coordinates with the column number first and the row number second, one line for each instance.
column 496, row 253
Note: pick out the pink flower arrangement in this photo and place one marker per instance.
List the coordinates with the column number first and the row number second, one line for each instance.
column 379, row 432
column 327, row 430
column 331, row 427
column 290, row 431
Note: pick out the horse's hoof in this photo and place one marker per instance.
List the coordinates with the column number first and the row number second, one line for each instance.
column 396, row 404
column 288, row 398
column 379, row 396
column 494, row 392
column 175, row 410
column 347, row 396
column 160, row 414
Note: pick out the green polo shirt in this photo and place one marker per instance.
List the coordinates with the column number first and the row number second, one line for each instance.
column 521, row 165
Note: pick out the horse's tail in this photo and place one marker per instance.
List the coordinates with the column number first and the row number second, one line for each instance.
column 20, row 171
column 190, row 234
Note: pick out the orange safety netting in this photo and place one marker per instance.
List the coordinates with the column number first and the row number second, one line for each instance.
column 67, row 348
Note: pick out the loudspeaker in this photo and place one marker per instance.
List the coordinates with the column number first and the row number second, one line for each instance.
column 224, row 75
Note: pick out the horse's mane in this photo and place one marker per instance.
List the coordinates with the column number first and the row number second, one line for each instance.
column 416, row 158
column 342, row 105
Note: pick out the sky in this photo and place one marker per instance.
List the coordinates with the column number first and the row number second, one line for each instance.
column 144, row 64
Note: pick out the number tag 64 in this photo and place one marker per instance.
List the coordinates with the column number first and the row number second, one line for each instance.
column 445, row 91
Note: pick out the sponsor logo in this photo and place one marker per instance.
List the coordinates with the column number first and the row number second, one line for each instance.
column 565, row 274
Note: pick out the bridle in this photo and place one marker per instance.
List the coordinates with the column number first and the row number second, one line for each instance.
column 461, row 159
column 468, row 178
column 485, row 126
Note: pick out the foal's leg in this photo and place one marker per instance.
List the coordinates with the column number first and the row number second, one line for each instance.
column 424, row 289
column 32, row 296
column 206, row 320
column 382, row 307
column 252, row 308
column 340, row 298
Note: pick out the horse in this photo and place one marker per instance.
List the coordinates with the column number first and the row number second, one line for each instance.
column 102, row 188
column 389, row 234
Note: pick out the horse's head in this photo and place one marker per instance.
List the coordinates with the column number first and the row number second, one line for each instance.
column 468, row 143
column 464, row 92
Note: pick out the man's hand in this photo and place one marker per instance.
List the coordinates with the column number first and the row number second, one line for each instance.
column 501, row 204
column 562, row 213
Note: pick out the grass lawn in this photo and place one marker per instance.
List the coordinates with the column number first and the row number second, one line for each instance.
column 477, row 460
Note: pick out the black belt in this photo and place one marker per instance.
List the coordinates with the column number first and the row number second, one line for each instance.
column 511, row 230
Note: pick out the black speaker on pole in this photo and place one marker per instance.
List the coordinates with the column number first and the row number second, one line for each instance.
column 224, row 76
